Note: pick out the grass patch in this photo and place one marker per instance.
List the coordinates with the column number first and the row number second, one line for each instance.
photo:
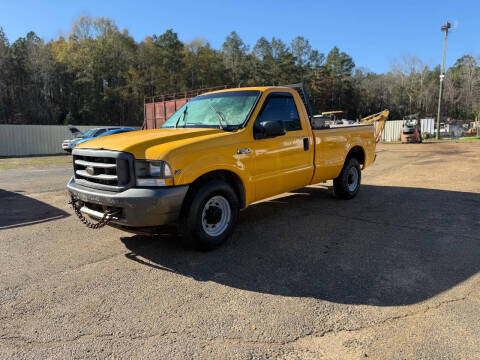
column 433, row 140
column 38, row 161
column 472, row 138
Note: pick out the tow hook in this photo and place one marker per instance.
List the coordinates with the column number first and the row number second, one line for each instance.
column 106, row 218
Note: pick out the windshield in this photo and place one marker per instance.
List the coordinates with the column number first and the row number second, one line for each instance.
column 222, row 110
column 89, row 133
column 93, row 133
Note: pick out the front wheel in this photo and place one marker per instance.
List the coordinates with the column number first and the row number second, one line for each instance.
column 210, row 216
column 347, row 184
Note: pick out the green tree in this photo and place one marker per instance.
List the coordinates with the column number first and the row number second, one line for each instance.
column 234, row 57
column 338, row 70
column 98, row 74
column 203, row 65
column 5, row 94
column 172, row 67
column 264, row 62
column 302, row 51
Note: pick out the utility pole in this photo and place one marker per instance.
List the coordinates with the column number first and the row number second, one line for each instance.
column 478, row 126
column 442, row 76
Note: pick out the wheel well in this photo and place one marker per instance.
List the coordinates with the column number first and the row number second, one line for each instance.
column 225, row 175
column 358, row 153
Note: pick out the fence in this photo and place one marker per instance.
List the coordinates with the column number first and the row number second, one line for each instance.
column 24, row 140
column 157, row 113
column 157, row 109
column 393, row 129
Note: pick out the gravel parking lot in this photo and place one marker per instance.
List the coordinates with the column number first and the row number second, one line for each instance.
column 391, row 274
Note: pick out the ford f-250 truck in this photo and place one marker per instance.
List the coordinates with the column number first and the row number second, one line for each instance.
column 217, row 154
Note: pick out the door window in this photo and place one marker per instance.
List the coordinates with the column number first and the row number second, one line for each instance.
column 281, row 107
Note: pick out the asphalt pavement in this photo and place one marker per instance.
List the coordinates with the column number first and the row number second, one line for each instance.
column 391, row 274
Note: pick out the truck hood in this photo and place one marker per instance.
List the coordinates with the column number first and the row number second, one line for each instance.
column 137, row 142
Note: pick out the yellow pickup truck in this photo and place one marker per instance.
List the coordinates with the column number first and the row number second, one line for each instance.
column 217, row 154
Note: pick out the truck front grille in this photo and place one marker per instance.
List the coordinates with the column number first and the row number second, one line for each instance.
column 103, row 169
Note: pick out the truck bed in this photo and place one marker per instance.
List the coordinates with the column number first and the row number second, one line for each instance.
column 332, row 145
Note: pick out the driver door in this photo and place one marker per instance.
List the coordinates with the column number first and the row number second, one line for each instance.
column 282, row 163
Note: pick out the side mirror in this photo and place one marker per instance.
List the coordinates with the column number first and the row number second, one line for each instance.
column 270, row 128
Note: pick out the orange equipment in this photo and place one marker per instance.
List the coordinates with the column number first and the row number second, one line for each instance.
column 411, row 132
column 379, row 119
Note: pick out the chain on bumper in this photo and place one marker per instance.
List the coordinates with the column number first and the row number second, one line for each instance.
column 106, row 218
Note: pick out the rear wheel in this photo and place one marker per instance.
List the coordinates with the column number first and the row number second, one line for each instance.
column 210, row 215
column 347, row 184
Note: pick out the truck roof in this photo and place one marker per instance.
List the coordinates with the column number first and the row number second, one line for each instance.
column 298, row 88
column 257, row 88
column 155, row 115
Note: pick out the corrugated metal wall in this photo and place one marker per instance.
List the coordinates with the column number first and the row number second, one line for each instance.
column 393, row 129
column 428, row 126
column 22, row 140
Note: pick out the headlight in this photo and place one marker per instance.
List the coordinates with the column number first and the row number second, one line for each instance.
column 153, row 173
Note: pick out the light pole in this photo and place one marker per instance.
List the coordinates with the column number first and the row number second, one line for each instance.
column 478, row 126
column 442, row 76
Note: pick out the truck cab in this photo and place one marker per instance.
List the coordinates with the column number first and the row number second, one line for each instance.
column 217, row 154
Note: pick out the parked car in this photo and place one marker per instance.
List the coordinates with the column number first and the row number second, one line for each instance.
column 103, row 133
column 68, row 144
column 80, row 137
column 76, row 134
column 217, row 154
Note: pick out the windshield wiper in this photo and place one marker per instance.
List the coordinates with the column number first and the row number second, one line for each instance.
column 220, row 117
column 184, row 114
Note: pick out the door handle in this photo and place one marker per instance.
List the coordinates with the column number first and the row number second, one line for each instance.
column 306, row 144
column 244, row 151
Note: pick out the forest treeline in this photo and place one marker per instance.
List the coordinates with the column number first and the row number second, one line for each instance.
column 100, row 75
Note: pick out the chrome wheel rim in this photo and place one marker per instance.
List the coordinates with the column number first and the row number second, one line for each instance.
column 352, row 179
column 216, row 215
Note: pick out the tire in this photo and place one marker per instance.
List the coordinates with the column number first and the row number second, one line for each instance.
column 210, row 215
column 347, row 184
